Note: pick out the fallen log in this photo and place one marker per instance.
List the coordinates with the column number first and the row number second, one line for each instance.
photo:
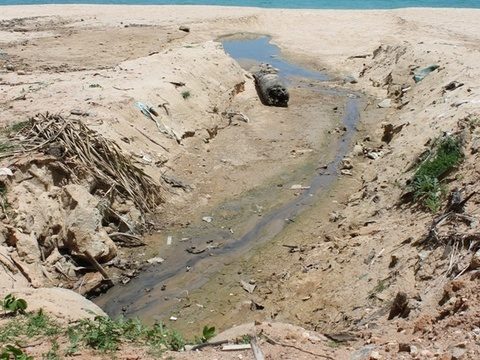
column 271, row 88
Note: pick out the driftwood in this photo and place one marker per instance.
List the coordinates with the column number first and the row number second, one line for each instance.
column 97, row 266
column 257, row 352
column 274, row 342
column 271, row 88
column 86, row 151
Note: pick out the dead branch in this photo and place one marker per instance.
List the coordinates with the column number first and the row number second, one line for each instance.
column 274, row 342
column 97, row 156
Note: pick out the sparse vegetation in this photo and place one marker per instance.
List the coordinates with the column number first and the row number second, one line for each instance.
column 101, row 333
column 5, row 146
column 28, row 325
column 17, row 127
column 426, row 184
column 186, row 94
column 106, row 334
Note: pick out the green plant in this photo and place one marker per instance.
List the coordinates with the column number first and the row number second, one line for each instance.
column 186, row 94
column 29, row 325
column 52, row 354
column 17, row 127
column 5, row 146
column 105, row 334
column 40, row 324
column 246, row 339
column 12, row 352
column 207, row 333
column 426, row 184
column 14, row 305
column 102, row 334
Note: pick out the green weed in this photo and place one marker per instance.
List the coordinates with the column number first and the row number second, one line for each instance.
column 52, row 354
column 17, row 127
column 5, row 146
column 12, row 352
column 186, row 94
column 10, row 303
column 106, row 334
column 246, row 339
column 426, row 184
column 29, row 325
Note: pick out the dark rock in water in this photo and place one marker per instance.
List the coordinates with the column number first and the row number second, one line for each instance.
column 271, row 88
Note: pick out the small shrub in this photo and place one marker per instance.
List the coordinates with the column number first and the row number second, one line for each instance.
column 186, row 94
column 207, row 333
column 246, row 339
column 426, row 184
column 12, row 304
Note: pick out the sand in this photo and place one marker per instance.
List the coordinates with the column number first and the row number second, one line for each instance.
column 341, row 278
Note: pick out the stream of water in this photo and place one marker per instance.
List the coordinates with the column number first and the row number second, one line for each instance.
column 145, row 296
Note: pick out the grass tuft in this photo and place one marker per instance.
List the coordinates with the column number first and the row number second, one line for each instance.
column 186, row 94
column 428, row 191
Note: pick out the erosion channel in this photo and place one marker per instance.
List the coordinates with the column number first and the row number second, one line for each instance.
column 154, row 294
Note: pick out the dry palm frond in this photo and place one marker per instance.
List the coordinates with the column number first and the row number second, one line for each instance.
column 101, row 158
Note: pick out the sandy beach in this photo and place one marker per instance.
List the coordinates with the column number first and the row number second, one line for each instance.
column 223, row 160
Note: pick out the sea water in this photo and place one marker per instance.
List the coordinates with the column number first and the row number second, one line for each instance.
column 288, row 4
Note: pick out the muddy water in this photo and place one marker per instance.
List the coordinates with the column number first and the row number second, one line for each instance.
column 155, row 292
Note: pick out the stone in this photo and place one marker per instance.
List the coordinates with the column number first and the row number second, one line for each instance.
column 155, row 260
column 63, row 304
column 10, row 67
column 413, row 350
column 458, row 353
column 475, row 261
column 385, row 103
column 27, row 246
column 32, row 272
column 350, row 80
column 347, row 164
column 83, row 225
column 400, row 306
column 403, row 347
column 375, row 355
column 358, row 150
column 426, row 354
column 184, row 28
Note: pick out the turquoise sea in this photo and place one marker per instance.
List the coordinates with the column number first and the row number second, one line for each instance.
column 290, row 4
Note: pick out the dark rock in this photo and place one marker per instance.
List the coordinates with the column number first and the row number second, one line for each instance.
column 184, row 28
column 399, row 306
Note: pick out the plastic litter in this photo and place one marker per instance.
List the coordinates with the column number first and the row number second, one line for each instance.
column 419, row 75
